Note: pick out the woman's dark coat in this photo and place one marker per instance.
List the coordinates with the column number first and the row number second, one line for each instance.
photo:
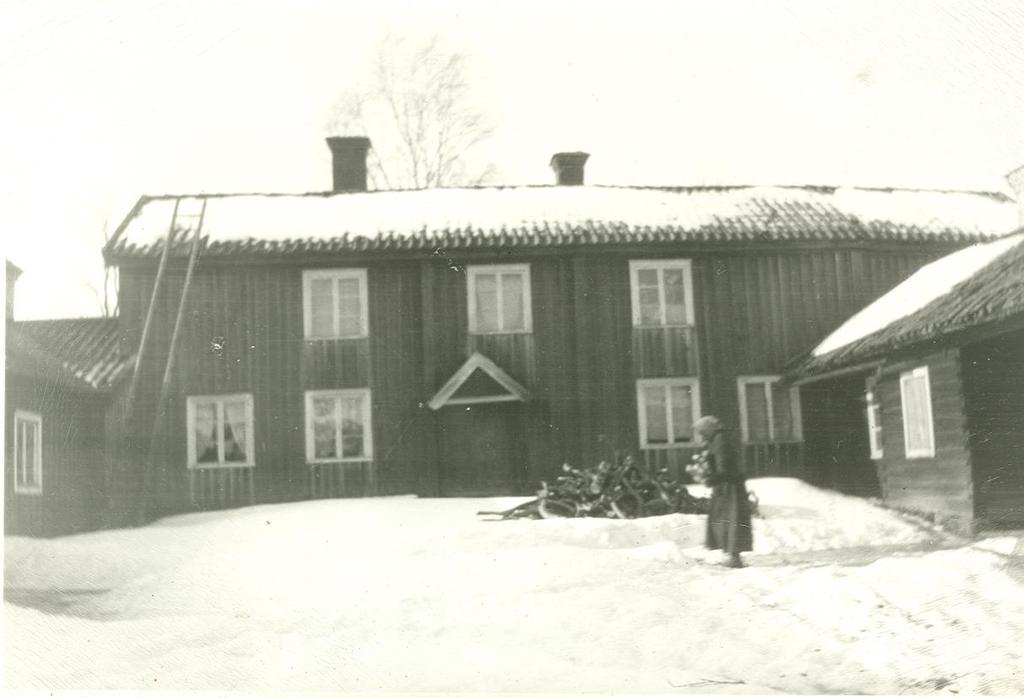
column 729, row 526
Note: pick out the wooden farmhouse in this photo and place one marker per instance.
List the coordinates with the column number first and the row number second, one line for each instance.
column 469, row 341
column 921, row 394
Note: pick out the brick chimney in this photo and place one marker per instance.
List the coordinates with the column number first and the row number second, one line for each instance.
column 568, row 167
column 1016, row 181
column 348, row 155
column 13, row 272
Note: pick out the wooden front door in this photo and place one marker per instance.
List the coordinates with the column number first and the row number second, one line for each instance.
column 481, row 450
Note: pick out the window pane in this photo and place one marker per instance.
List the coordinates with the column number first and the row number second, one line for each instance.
column 675, row 297
column 757, row 412
column 31, row 438
column 349, row 308
column 782, row 412
column 648, row 297
column 655, row 410
column 682, row 412
column 323, row 407
column 205, row 431
column 236, row 432
column 324, row 445
column 917, row 414
column 486, row 297
column 513, row 311
column 321, row 307
column 352, row 428
column 19, row 451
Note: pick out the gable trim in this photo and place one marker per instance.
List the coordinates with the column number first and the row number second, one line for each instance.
column 516, row 391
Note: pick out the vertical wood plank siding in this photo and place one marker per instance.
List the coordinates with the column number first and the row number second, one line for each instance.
column 993, row 376
column 72, row 459
column 942, row 485
column 754, row 312
column 664, row 352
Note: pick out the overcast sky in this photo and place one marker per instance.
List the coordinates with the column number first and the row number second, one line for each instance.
column 104, row 100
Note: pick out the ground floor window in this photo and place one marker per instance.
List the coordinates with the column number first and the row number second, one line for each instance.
column 220, row 431
column 918, row 431
column 874, row 413
column 666, row 410
column 28, row 452
column 338, row 426
column 769, row 412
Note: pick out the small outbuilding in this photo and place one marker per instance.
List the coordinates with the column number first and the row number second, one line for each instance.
column 919, row 398
column 61, row 379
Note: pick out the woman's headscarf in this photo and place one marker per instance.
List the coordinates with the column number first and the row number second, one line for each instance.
column 706, row 427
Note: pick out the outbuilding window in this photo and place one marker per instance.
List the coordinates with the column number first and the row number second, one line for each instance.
column 666, row 411
column 334, row 304
column 874, row 420
column 28, row 452
column 918, row 430
column 220, row 431
column 662, row 292
column 338, row 426
column 769, row 412
column 499, row 299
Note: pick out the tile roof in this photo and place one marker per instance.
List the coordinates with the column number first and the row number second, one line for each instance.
column 974, row 286
column 79, row 352
column 280, row 224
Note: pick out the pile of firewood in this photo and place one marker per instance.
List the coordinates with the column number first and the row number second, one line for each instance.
column 622, row 490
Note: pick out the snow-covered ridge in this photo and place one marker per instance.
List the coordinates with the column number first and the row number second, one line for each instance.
column 822, row 211
column 926, row 285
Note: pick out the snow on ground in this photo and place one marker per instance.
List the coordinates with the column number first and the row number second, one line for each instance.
column 404, row 594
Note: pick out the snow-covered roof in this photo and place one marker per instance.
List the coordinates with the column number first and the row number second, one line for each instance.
column 976, row 285
column 78, row 352
column 552, row 215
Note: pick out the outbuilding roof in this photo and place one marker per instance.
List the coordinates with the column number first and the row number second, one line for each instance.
column 975, row 286
column 558, row 215
column 78, row 352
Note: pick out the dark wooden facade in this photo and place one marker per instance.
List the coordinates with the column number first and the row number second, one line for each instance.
column 73, row 457
column 993, row 380
column 756, row 306
column 940, row 485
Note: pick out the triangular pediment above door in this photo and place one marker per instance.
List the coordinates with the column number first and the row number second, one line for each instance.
column 479, row 380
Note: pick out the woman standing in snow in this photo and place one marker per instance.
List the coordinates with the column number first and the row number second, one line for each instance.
column 729, row 528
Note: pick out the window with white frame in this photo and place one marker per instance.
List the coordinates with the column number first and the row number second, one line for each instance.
column 338, row 426
column 220, row 431
column 769, row 412
column 918, row 430
column 666, row 410
column 499, row 299
column 334, row 304
column 661, row 292
column 874, row 413
column 28, row 452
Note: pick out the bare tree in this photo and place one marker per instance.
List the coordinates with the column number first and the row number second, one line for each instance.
column 107, row 295
column 419, row 111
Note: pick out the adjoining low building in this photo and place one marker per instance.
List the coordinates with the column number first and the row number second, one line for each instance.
column 61, row 378
column 920, row 396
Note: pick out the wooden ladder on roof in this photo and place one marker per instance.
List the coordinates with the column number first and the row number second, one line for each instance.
column 157, row 430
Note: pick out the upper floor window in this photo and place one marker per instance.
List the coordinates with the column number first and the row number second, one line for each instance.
column 220, row 431
column 499, row 299
column 334, row 304
column 662, row 292
column 918, row 431
column 874, row 420
column 338, row 425
column 28, row 452
column 667, row 409
column 769, row 412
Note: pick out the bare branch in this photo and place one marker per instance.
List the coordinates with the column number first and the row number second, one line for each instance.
column 419, row 112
